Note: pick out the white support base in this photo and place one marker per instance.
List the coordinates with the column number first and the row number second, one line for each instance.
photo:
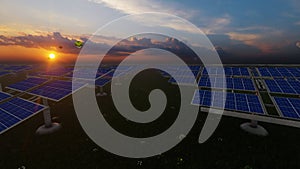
column 254, row 129
column 43, row 130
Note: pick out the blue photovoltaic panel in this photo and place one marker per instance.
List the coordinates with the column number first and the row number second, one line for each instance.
column 15, row 111
column 27, row 84
column 228, row 71
column 289, row 86
column 3, row 73
column 184, row 77
column 279, row 72
column 254, row 72
column 234, row 101
column 87, row 72
column 231, row 83
column 57, row 72
column 102, row 81
column 183, row 80
column 16, row 68
column 57, row 89
column 289, row 107
column 4, row 96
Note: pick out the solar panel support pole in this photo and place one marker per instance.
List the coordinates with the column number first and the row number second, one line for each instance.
column 49, row 127
column 1, row 87
column 47, row 114
column 101, row 93
column 253, row 128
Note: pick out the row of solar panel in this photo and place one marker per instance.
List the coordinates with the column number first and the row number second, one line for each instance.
column 279, row 71
column 284, row 86
column 27, row 84
column 231, row 101
column 231, row 83
column 227, row 71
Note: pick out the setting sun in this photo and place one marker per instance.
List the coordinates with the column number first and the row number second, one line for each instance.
column 51, row 56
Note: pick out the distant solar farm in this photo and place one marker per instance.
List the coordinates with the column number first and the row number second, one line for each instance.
column 263, row 93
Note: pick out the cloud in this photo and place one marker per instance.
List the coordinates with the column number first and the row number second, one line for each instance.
column 246, row 38
column 216, row 25
column 54, row 41
column 141, row 6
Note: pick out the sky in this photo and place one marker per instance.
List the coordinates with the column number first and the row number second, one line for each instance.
column 250, row 31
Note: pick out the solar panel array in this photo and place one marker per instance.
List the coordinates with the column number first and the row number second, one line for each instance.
column 3, row 73
column 234, row 101
column 279, row 71
column 285, row 86
column 254, row 72
column 56, row 72
column 231, row 83
column 27, row 84
column 102, row 81
column 17, row 68
column 56, row 90
column 4, row 96
column 184, row 77
column 86, row 72
column 228, row 71
column 15, row 111
column 289, row 107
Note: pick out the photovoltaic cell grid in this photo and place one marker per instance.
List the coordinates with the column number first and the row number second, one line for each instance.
column 58, row 72
column 3, row 73
column 289, row 86
column 57, row 89
column 228, row 71
column 279, row 71
column 183, row 77
column 4, row 96
column 102, row 81
column 289, row 107
column 231, row 83
column 17, row 68
column 27, row 84
column 234, row 101
column 254, row 72
column 86, row 72
column 16, row 111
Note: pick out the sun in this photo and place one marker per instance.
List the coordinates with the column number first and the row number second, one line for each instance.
column 51, row 56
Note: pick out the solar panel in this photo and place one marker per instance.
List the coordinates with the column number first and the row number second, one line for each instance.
column 102, row 81
column 15, row 111
column 183, row 80
column 27, row 84
column 17, row 68
column 234, row 101
column 3, row 73
column 228, row 71
column 56, row 90
column 56, row 72
column 279, row 72
column 289, row 107
column 289, row 86
column 4, row 96
column 254, row 72
column 232, row 83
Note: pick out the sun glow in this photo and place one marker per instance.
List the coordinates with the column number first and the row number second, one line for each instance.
column 51, row 56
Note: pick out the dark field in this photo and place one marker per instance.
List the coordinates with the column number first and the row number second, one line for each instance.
column 70, row 148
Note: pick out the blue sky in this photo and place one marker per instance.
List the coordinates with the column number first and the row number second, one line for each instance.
column 272, row 27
